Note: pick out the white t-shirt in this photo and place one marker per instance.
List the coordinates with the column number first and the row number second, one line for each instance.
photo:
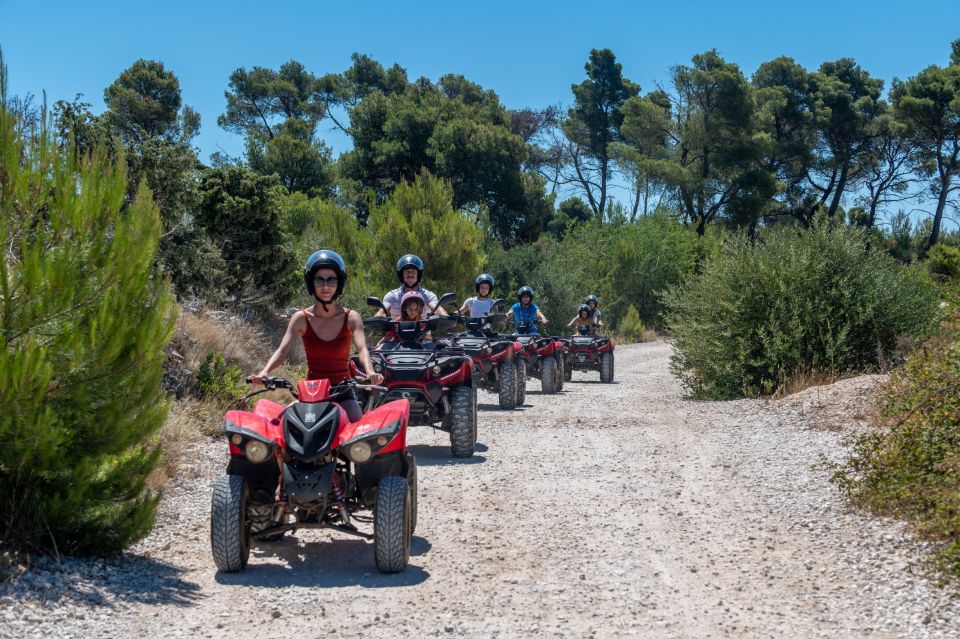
column 479, row 307
column 392, row 300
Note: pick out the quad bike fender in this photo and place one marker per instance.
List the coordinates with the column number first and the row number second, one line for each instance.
column 250, row 426
column 606, row 348
column 267, row 409
column 461, row 376
column 388, row 421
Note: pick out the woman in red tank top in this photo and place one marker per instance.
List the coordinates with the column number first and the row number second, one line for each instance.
column 327, row 328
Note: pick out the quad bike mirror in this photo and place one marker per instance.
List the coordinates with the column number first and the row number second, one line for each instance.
column 376, row 303
column 496, row 303
column 446, row 298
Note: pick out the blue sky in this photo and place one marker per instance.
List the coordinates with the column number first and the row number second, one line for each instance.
column 529, row 53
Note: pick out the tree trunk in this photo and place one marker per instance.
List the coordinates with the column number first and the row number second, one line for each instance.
column 838, row 193
column 938, row 216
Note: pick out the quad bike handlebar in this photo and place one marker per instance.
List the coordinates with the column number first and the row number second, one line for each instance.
column 273, row 383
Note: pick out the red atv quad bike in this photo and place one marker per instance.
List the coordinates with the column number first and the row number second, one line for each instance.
column 306, row 466
column 437, row 381
column 543, row 357
column 587, row 352
column 494, row 356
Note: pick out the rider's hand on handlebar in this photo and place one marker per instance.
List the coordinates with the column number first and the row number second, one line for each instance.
column 257, row 379
column 375, row 378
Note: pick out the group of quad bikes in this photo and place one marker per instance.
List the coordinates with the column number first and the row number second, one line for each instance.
column 305, row 465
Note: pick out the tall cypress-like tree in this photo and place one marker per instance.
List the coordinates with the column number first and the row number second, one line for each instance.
column 84, row 314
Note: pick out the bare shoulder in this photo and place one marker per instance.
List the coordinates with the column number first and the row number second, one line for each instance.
column 354, row 321
column 298, row 321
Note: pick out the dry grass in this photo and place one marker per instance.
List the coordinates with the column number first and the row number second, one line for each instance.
column 241, row 343
column 189, row 422
column 650, row 335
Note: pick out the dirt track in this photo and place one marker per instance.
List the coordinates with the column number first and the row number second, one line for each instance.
column 613, row 510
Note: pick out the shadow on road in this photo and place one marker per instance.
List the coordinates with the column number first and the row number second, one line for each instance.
column 429, row 455
column 483, row 408
column 132, row 578
column 334, row 563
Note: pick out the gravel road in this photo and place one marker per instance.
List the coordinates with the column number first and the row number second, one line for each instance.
column 609, row 510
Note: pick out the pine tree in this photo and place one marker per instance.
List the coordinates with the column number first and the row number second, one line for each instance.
column 85, row 315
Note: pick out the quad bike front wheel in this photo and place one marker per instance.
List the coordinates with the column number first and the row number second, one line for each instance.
column 463, row 421
column 412, row 482
column 507, row 390
column 392, row 524
column 520, row 375
column 567, row 371
column 229, row 533
column 548, row 375
column 561, row 371
column 606, row 367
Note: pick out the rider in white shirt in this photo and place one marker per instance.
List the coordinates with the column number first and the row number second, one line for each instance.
column 481, row 304
column 410, row 276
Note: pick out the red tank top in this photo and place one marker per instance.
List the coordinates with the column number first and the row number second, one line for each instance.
column 328, row 359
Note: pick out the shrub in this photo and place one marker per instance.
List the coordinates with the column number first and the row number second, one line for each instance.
column 219, row 381
column 944, row 261
column 814, row 300
column 85, row 314
column 631, row 327
column 418, row 217
column 647, row 258
column 910, row 465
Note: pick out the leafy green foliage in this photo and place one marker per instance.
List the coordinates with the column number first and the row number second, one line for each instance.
column 240, row 211
column 631, row 326
column 278, row 112
column 910, row 466
column 85, row 316
column 593, row 124
column 944, row 260
column 929, row 105
column 419, row 218
column 646, row 259
column 816, row 299
column 218, row 381
column 457, row 131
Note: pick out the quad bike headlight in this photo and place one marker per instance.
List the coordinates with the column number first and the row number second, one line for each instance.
column 436, row 371
column 360, row 452
column 256, row 451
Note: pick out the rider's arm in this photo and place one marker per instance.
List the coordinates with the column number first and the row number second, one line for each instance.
column 574, row 320
column 294, row 329
column 360, row 341
column 432, row 300
column 387, row 301
column 543, row 318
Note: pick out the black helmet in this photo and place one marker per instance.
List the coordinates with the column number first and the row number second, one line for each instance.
column 484, row 277
column 591, row 298
column 525, row 290
column 325, row 258
column 584, row 307
column 408, row 261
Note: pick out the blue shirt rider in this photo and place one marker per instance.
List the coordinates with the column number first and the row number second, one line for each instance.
column 525, row 311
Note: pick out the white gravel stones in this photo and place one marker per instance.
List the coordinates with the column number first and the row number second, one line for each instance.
column 609, row 510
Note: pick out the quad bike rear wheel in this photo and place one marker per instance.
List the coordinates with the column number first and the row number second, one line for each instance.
column 606, row 367
column 229, row 533
column 392, row 524
column 548, row 375
column 507, row 389
column 520, row 375
column 463, row 421
column 567, row 371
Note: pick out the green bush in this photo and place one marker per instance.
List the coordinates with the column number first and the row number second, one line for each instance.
column 645, row 260
column 631, row 327
column 85, row 314
column 944, row 261
column 910, row 465
column 807, row 300
column 218, row 381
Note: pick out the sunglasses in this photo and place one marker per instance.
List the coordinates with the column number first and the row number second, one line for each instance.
column 326, row 281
